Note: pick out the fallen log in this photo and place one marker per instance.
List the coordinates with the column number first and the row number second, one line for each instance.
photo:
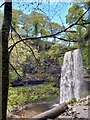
column 53, row 113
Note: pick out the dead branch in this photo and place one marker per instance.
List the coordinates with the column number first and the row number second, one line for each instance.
column 53, row 113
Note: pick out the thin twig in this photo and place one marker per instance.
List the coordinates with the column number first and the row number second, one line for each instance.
column 66, row 39
column 23, row 42
column 2, row 4
column 15, row 70
column 51, row 35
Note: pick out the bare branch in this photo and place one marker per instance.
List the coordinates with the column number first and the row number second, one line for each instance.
column 23, row 42
column 73, row 23
column 86, row 23
column 65, row 39
column 15, row 70
column 51, row 35
column 2, row 4
column 31, row 50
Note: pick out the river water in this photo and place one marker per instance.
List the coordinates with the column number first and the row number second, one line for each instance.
column 34, row 109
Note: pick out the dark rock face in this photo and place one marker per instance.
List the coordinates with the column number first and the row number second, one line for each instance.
column 47, row 73
column 54, row 69
column 26, row 82
column 87, row 78
column 27, row 69
column 46, row 70
column 16, row 84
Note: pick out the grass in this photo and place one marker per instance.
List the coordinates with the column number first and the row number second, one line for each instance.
column 73, row 100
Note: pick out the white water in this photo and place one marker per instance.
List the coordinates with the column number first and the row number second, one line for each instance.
column 72, row 83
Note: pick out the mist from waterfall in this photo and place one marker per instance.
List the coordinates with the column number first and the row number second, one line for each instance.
column 72, row 84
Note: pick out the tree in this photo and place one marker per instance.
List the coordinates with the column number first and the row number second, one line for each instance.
column 38, row 22
column 53, row 27
column 73, row 14
column 33, row 25
column 82, row 28
column 18, row 20
column 87, row 35
column 5, row 56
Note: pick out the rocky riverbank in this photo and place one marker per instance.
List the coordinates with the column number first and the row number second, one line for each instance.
column 80, row 109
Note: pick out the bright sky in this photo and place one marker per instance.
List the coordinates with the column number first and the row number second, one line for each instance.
column 56, row 11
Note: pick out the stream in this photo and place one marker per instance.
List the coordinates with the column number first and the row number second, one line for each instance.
column 34, row 109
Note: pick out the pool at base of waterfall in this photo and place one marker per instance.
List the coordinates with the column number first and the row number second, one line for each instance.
column 32, row 109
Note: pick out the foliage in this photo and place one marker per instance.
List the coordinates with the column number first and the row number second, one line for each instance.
column 73, row 100
column 53, row 27
column 24, row 95
column 34, row 25
column 74, row 13
column 82, row 31
column 46, row 52
column 12, row 75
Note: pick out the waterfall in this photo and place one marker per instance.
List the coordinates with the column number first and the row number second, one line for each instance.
column 72, row 83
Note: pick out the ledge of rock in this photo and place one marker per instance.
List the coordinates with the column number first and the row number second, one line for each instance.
column 81, row 109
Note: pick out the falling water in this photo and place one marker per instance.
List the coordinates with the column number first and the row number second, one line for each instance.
column 72, row 83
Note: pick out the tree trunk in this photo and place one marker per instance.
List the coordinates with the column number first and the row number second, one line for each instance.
column 5, row 56
column 53, row 113
column 0, row 75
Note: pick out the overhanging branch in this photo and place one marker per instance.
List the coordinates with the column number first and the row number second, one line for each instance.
column 2, row 4
column 51, row 35
column 31, row 50
column 23, row 42
column 15, row 70
column 65, row 39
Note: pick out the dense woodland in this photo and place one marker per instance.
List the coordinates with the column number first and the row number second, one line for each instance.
column 32, row 56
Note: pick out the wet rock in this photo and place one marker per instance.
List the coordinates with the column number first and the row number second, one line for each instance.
column 78, row 110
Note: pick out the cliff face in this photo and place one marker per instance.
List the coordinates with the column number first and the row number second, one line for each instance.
column 50, row 73
column 43, row 62
column 87, row 79
column 48, row 63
